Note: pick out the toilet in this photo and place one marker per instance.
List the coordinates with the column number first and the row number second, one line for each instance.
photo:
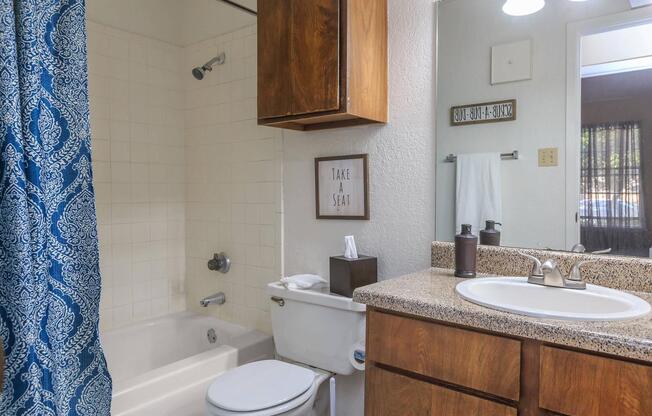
column 315, row 334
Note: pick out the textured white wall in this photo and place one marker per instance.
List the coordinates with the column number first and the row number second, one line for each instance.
column 533, row 197
column 401, row 164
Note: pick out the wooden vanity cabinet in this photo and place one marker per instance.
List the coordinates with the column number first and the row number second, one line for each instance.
column 575, row 383
column 322, row 63
column 420, row 367
column 392, row 394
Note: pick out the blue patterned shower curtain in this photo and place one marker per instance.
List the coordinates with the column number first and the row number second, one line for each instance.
column 49, row 273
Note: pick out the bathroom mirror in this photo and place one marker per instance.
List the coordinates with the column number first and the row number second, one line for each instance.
column 580, row 73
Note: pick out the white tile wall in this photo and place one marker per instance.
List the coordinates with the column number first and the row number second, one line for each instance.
column 137, row 123
column 182, row 171
column 233, row 183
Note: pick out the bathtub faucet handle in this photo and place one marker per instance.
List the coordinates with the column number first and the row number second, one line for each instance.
column 220, row 262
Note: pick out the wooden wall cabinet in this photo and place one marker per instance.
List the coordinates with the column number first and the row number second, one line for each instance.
column 419, row 367
column 322, row 63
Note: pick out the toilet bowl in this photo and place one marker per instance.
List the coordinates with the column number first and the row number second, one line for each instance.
column 316, row 331
column 264, row 388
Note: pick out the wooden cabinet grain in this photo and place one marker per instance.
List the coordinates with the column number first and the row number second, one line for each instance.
column 457, row 356
column 422, row 367
column 390, row 394
column 396, row 395
column 577, row 384
column 322, row 63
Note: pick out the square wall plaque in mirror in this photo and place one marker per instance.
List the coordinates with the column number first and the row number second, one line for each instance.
column 583, row 132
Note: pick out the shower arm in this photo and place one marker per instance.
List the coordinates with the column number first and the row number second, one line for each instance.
column 219, row 59
column 239, row 6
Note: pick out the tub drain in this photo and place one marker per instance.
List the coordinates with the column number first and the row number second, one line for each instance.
column 212, row 336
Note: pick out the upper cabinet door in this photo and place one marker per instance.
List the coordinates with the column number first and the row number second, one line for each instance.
column 322, row 63
column 274, row 77
column 315, row 55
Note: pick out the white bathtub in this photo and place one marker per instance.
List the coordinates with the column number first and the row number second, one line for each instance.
column 164, row 366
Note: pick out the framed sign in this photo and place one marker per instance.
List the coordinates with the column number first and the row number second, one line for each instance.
column 492, row 112
column 341, row 184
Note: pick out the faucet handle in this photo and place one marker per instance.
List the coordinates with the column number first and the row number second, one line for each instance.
column 575, row 273
column 220, row 262
column 536, row 266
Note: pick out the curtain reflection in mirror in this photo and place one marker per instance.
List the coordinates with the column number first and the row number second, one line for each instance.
column 612, row 202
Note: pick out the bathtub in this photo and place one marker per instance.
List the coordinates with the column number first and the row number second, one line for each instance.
column 163, row 366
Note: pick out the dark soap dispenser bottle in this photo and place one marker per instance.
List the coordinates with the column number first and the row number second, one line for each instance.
column 490, row 236
column 466, row 250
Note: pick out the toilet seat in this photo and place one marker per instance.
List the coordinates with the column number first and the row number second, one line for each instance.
column 262, row 388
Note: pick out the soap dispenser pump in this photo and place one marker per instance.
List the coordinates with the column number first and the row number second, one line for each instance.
column 466, row 250
column 490, row 236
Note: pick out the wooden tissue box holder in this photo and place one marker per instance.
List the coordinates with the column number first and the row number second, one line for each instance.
column 348, row 274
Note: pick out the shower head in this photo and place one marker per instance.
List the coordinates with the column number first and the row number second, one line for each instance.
column 199, row 71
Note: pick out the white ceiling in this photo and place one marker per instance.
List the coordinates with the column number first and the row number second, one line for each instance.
column 617, row 45
column 180, row 22
column 639, row 3
column 204, row 19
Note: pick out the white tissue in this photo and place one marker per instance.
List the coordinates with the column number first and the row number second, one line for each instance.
column 303, row 282
column 350, row 251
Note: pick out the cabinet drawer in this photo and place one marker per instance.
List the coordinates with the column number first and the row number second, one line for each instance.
column 578, row 384
column 479, row 361
column 390, row 394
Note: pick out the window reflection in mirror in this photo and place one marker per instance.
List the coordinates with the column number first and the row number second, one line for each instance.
column 615, row 188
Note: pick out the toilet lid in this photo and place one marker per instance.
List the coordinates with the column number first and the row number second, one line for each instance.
column 259, row 385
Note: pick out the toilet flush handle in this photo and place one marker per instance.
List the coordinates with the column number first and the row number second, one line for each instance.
column 279, row 301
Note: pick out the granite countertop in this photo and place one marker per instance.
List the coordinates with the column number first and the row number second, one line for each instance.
column 431, row 294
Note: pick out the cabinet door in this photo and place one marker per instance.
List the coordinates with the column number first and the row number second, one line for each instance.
column 390, row 394
column 274, row 78
column 578, row 384
column 314, row 55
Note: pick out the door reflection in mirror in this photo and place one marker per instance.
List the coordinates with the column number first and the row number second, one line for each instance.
column 615, row 202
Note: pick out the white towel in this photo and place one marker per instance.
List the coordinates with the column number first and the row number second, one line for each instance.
column 478, row 190
column 303, row 282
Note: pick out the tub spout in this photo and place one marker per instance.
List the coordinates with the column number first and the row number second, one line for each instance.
column 218, row 299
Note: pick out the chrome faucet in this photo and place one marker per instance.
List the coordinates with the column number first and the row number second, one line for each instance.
column 217, row 298
column 552, row 275
column 579, row 248
column 549, row 274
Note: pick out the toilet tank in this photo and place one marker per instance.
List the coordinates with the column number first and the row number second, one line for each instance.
column 316, row 328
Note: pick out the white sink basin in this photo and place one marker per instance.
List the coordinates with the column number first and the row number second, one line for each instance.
column 516, row 295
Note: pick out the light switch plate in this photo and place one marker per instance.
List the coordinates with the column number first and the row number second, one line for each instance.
column 549, row 157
